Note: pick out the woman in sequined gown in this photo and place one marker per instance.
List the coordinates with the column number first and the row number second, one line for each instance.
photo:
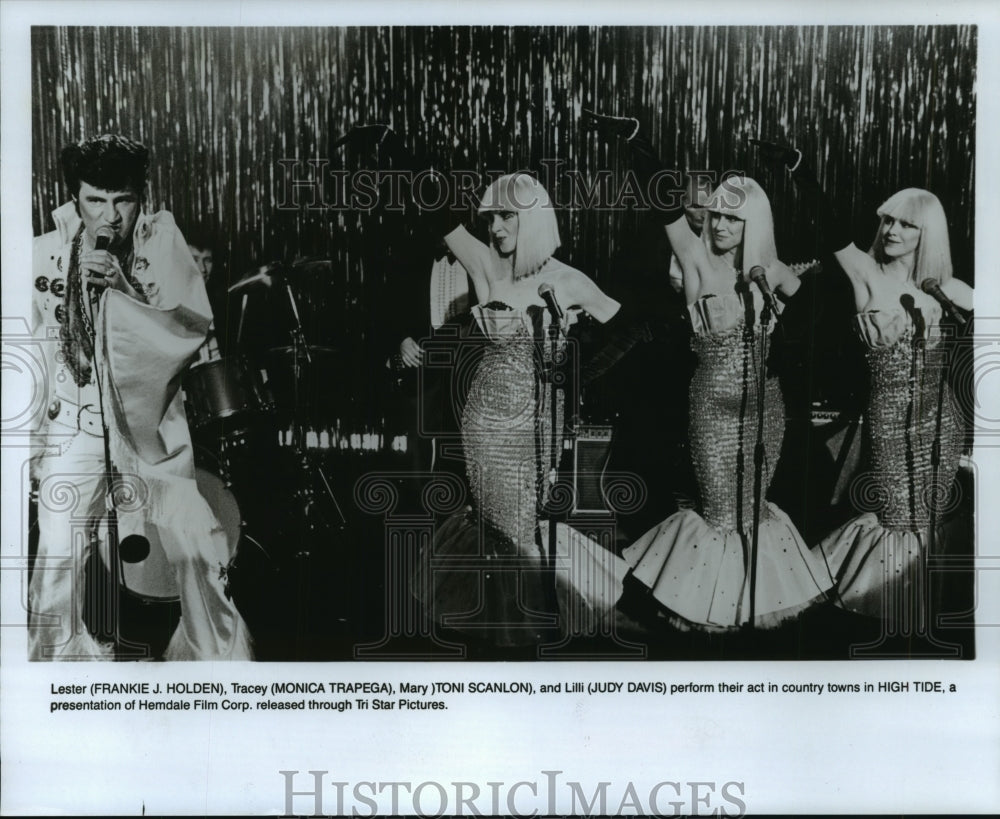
column 484, row 572
column 878, row 557
column 700, row 566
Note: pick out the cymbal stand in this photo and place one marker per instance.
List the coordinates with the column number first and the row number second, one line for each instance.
column 299, row 347
column 759, row 455
column 225, row 442
column 310, row 521
column 300, row 351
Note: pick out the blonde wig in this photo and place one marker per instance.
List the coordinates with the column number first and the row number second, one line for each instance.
column 742, row 197
column 537, row 231
column 932, row 258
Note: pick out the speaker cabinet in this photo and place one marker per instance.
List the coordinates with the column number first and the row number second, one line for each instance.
column 591, row 451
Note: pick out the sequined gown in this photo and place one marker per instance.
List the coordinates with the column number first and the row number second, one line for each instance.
column 483, row 574
column 878, row 557
column 697, row 565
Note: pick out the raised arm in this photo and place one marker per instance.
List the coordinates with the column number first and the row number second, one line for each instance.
column 661, row 186
column 652, row 174
column 474, row 256
column 833, row 229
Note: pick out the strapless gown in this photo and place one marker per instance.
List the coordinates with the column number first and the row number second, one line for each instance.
column 484, row 573
column 698, row 565
column 878, row 557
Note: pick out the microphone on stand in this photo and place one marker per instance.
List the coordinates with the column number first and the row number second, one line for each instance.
column 548, row 294
column 932, row 287
column 758, row 275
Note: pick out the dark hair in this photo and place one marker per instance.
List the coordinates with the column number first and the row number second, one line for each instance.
column 109, row 162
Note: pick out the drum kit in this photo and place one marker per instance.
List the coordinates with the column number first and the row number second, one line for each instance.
column 252, row 415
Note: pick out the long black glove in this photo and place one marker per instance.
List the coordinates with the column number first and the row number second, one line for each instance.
column 662, row 184
column 833, row 228
column 615, row 338
column 383, row 142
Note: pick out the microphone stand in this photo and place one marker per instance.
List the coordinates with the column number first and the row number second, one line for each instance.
column 115, row 568
column 554, row 333
column 932, row 500
column 298, row 435
column 307, row 525
column 758, row 460
column 936, row 446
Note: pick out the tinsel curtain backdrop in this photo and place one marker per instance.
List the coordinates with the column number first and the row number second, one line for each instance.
column 874, row 109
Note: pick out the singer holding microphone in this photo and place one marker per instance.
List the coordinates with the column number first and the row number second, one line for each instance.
column 903, row 287
column 740, row 561
column 487, row 574
column 508, row 433
column 119, row 310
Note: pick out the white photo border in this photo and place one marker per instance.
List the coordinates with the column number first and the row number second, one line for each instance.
column 793, row 753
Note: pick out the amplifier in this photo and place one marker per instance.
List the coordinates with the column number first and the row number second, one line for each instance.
column 591, row 451
column 840, row 434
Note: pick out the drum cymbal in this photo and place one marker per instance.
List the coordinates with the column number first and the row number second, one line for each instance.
column 262, row 275
column 268, row 273
column 310, row 267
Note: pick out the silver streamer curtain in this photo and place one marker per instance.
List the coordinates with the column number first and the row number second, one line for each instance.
column 874, row 109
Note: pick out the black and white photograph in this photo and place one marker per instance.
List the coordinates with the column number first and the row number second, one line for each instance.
column 564, row 376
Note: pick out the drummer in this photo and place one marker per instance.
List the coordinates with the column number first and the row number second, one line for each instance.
column 119, row 308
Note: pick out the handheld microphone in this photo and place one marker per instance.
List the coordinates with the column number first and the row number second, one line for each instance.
column 932, row 287
column 104, row 237
column 548, row 294
column 102, row 241
column 758, row 275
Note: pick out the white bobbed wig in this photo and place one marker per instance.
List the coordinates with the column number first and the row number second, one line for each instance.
column 742, row 197
column 537, row 231
column 932, row 259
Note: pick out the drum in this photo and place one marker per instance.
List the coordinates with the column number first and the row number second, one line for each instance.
column 224, row 505
column 226, row 388
column 146, row 572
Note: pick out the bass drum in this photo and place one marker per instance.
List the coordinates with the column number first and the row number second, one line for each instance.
column 146, row 572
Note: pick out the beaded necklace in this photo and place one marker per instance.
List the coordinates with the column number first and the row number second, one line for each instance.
column 76, row 333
